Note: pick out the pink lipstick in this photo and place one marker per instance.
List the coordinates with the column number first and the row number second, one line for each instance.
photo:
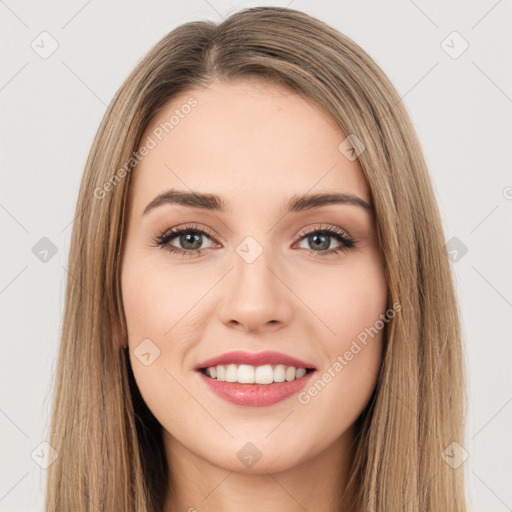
column 257, row 380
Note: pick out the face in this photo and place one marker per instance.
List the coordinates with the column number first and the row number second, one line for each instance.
column 258, row 269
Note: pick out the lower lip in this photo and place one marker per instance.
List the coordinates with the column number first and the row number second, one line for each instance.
column 255, row 395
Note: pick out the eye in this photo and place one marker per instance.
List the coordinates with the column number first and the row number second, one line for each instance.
column 191, row 238
column 319, row 238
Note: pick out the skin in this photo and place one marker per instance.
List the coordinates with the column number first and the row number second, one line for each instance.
column 256, row 145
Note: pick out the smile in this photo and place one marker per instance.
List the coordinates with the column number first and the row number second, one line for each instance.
column 248, row 374
column 255, row 380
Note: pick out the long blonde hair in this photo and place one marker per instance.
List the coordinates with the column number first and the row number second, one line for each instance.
column 110, row 449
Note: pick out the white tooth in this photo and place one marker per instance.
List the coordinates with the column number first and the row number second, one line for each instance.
column 300, row 372
column 221, row 373
column 279, row 372
column 264, row 374
column 290, row 373
column 231, row 373
column 246, row 374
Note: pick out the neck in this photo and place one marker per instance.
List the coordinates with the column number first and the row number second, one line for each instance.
column 318, row 483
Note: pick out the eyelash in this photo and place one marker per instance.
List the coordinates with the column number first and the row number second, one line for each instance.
column 162, row 241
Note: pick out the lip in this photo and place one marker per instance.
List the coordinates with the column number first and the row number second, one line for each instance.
column 258, row 359
column 255, row 395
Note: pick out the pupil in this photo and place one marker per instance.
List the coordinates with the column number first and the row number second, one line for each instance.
column 323, row 244
column 186, row 239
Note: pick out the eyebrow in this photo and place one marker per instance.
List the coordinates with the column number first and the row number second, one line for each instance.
column 212, row 202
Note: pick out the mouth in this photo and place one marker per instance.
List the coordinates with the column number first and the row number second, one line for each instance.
column 261, row 375
column 254, row 379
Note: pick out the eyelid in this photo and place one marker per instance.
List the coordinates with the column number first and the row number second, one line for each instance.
column 322, row 227
column 191, row 227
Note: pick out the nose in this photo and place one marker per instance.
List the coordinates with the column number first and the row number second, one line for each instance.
column 256, row 296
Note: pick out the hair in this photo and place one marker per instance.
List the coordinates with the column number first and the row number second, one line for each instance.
column 110, row 446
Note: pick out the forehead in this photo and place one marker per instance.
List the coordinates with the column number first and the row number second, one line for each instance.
column 245, row 141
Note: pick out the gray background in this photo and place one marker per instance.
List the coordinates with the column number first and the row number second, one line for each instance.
column 51, row 108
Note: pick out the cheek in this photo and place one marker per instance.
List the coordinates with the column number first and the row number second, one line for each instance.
column 349, row 300
column 155, row 297
column 157, row 302
column 353, row 306
column 361, row 299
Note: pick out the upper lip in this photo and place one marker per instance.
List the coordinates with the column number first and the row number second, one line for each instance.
column 258, row 359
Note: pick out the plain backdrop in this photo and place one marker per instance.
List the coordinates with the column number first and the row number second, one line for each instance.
column 61, row 65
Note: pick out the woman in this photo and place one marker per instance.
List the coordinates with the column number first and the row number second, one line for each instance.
column 260, row 312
